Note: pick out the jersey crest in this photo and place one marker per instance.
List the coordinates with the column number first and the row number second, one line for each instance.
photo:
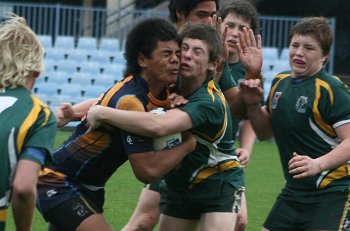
column 275, row 99
column 300, row 106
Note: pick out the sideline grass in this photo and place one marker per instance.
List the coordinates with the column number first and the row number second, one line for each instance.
column 263, row 182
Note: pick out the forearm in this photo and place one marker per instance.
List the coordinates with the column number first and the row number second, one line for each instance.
column 247, row 136
column 140, row 123
column 340, row 155
column 238, row 107
column 24, row 193
column 23, row 209
column 260, row 120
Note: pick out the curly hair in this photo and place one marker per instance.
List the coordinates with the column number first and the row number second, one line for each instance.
column 21, row 52
column 143, row 38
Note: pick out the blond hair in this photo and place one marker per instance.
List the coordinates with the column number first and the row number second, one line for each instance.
column 21, row 52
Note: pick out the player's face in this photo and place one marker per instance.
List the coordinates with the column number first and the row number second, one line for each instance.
column 163, row 66
column 234, row 24
column 306, row 57
column 200, row 14
column 195, row 59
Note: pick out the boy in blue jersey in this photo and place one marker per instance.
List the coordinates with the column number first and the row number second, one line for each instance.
column 200, row 192
column 28, row 127
column 71, row 192
column 308, row 113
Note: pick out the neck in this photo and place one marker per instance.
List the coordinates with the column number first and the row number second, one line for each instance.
column 155, row 87
column 233, row 58
column 190, row 85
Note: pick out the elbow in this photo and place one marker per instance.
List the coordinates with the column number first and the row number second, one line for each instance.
column 23, row 191
column 147, row 176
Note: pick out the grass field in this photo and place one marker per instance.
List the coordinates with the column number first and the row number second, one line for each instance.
column 263, row 182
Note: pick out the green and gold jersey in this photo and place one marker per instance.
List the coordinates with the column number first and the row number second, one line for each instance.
column 214, row 160
column 305, row 113
column 26, row 122
column 226, row 80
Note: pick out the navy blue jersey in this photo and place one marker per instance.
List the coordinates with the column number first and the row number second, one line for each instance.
column 91, row 158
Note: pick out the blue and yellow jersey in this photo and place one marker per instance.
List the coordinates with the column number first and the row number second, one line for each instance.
column 305, row 113
column 91, row 158
column 27, row 124
column 214, row 160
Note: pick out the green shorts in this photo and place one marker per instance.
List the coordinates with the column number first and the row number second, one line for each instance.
column 329, row 211
column 176, row 205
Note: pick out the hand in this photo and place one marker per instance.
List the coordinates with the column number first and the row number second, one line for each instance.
column 250, row 53
column 251, row 92
column 301, row 166
column 176, row 100
column 64, row 114
column 216, row 22
column 93, row 118
column 243, row 155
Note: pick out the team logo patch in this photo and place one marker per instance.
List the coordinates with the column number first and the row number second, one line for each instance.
column 275, row 99
column 51, row 192
column 300, row 106
column 80, row 209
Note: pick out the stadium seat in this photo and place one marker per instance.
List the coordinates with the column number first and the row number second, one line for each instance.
column 55, row 54
column 65, row 42
column 58, row 77
column 82, row 78
column 78, row 55
column 46, row 88
column 67, row 65
column 109, row 44
column 93, row 91
column 114, row 69
column 46, row 41
column 71, row 89
column 118, row 57
column 105, row 80
column 270, row 53
column 284, row 54
column 87, row 43
column 281, row 65
column 93, row 68
column 102, row 56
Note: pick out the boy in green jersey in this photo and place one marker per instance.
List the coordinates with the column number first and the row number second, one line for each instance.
column 199, row 192
column 28, row 127
column 308, row 113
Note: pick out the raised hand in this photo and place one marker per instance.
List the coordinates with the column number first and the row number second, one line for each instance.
column 250, row 53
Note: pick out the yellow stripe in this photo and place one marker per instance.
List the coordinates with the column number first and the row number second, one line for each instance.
column 338, row 173
column 29, row 121
column 346, row 210
column 114, row 89
column 87, row 205
column 211, row 89
column 209, row 171
column 3, row 215
column 317, row 115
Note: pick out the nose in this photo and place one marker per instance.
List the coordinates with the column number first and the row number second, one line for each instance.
column 186, row 54
column 174, row 58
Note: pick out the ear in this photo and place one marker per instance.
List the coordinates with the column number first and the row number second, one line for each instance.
column 179, row 15
column 36, row 74
column 142, row 60
column 212, row 66
column 324, row 58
